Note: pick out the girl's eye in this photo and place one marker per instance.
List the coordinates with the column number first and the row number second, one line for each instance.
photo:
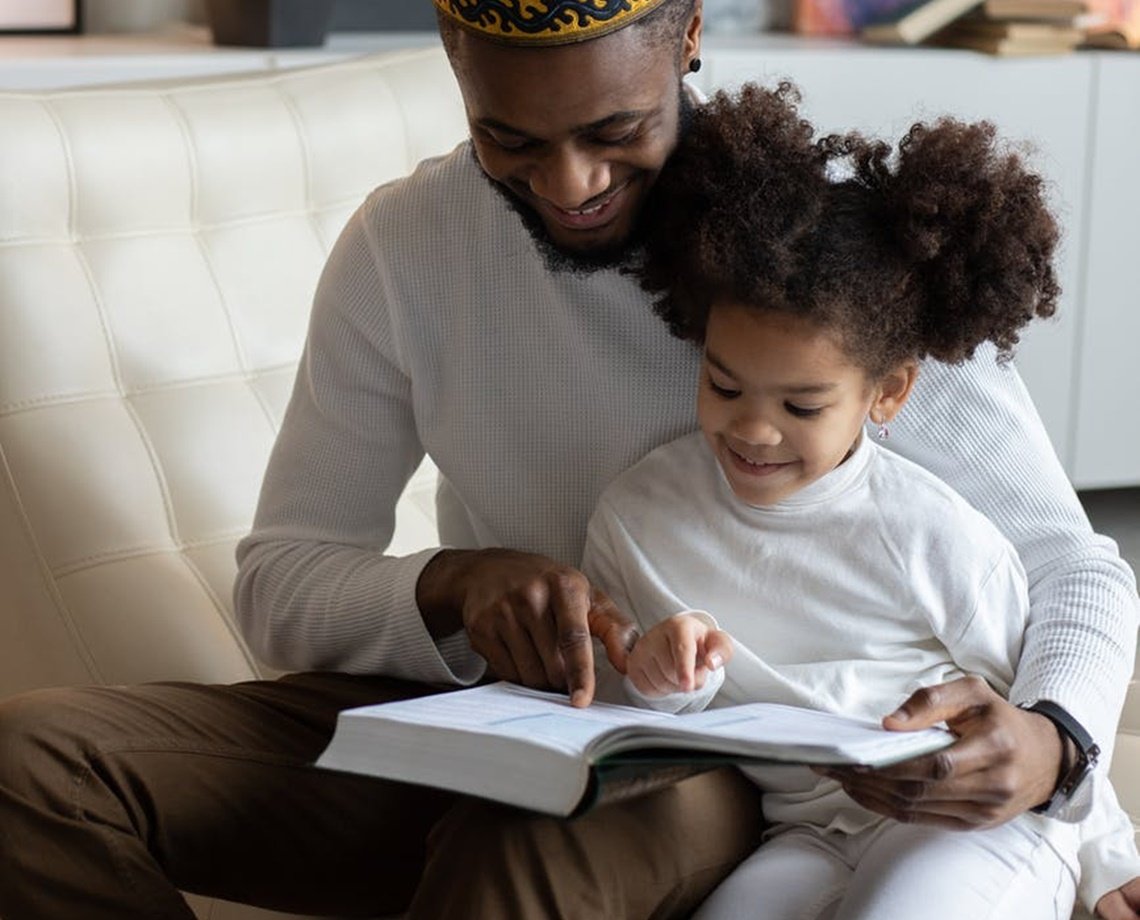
column 723, row 392
column 803, row 411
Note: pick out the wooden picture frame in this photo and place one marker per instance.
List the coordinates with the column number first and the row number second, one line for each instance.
column 40, row 17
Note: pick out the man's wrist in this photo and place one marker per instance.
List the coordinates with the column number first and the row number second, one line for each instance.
column 435, row 593
column 1079, row 755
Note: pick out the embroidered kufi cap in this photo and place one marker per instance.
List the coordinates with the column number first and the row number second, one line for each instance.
column 545, row 22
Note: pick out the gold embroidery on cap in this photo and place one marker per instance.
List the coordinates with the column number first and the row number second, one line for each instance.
column 545, row 22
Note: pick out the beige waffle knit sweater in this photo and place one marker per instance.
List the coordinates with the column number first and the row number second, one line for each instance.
column 438, row 327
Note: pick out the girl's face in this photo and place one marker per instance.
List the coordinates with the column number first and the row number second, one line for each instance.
column 780, row 403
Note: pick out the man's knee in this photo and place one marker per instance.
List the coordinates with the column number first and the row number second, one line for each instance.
column 497, row 837
column 491, row 861
column 657, row 855
column 37, row 740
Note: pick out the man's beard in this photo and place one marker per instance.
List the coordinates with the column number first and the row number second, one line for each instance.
column 563, row 259
column 623, row 255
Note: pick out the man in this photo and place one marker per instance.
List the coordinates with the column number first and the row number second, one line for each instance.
column 478, row 310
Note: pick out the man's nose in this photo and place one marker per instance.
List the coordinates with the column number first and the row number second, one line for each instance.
column 570, row 177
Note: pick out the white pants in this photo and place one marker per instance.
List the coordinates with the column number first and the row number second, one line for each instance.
column 896, row 872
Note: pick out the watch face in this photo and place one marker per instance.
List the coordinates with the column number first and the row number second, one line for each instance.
column 1075, row 777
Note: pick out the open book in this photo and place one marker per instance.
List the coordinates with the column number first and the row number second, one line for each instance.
column 534, row 750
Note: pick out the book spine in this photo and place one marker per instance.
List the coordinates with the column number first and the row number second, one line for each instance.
column 615, row 782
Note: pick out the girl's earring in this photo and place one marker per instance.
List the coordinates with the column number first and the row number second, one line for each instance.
column 884, row 432
column 694, row 65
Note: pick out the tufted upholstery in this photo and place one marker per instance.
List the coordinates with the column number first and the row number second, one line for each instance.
column 159, row 245
column 158, row 251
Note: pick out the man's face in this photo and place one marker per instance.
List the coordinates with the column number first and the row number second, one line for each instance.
column 577, row 133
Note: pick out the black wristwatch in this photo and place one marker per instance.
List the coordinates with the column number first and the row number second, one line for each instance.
column 1071, row 775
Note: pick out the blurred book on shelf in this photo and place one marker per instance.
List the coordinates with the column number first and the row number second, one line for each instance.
column 1067, row 11
column 1009, row 36
column 1120, row 25
column 916, row 22
column 1000, row 27
column 1124, row 36
column 844, row 17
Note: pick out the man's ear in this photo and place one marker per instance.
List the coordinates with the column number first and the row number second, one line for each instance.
column 892, row 391
column 691, row 44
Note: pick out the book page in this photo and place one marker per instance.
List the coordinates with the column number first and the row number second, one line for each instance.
column 511, row 711
column 788, row 733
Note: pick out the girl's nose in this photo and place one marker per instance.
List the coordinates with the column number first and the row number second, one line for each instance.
column 753, row 428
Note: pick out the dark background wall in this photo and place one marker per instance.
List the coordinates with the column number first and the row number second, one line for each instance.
column 373, row 15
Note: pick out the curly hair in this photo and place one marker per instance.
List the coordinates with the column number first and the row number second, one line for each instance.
column 930, row 252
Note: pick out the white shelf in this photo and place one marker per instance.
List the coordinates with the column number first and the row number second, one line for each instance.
column 1106, row 429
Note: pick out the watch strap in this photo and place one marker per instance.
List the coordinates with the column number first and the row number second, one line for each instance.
column 1071, row 775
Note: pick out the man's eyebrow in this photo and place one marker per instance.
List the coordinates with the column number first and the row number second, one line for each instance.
column 592, row 128
column 616, row 118
column 803, row 389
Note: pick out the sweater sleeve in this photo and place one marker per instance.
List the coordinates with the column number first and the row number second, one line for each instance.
column 975, row 427
column 987, row 638
column 1107, row 854
column 314, row 587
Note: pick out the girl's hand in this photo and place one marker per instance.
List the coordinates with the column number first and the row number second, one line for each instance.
column 1121, row 904
column 677, row 655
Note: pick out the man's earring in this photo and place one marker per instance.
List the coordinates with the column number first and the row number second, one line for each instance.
column 694, row 65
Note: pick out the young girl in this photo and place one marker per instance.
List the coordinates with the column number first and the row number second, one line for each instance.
column 846, row 576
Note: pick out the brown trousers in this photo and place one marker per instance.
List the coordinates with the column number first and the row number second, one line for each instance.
column 113, row 799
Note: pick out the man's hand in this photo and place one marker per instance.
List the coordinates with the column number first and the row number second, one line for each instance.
column 528, row 616
column 1005, row 761
column 676, row 655
column 1122, row 903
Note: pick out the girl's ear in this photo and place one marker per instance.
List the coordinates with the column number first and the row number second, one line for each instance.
column 892, row 392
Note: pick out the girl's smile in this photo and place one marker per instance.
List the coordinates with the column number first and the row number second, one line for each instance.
column 754, row 467
column 780, row 403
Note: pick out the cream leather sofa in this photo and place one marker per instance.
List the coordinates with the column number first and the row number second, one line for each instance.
column 159, row 244
column 159, row 247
